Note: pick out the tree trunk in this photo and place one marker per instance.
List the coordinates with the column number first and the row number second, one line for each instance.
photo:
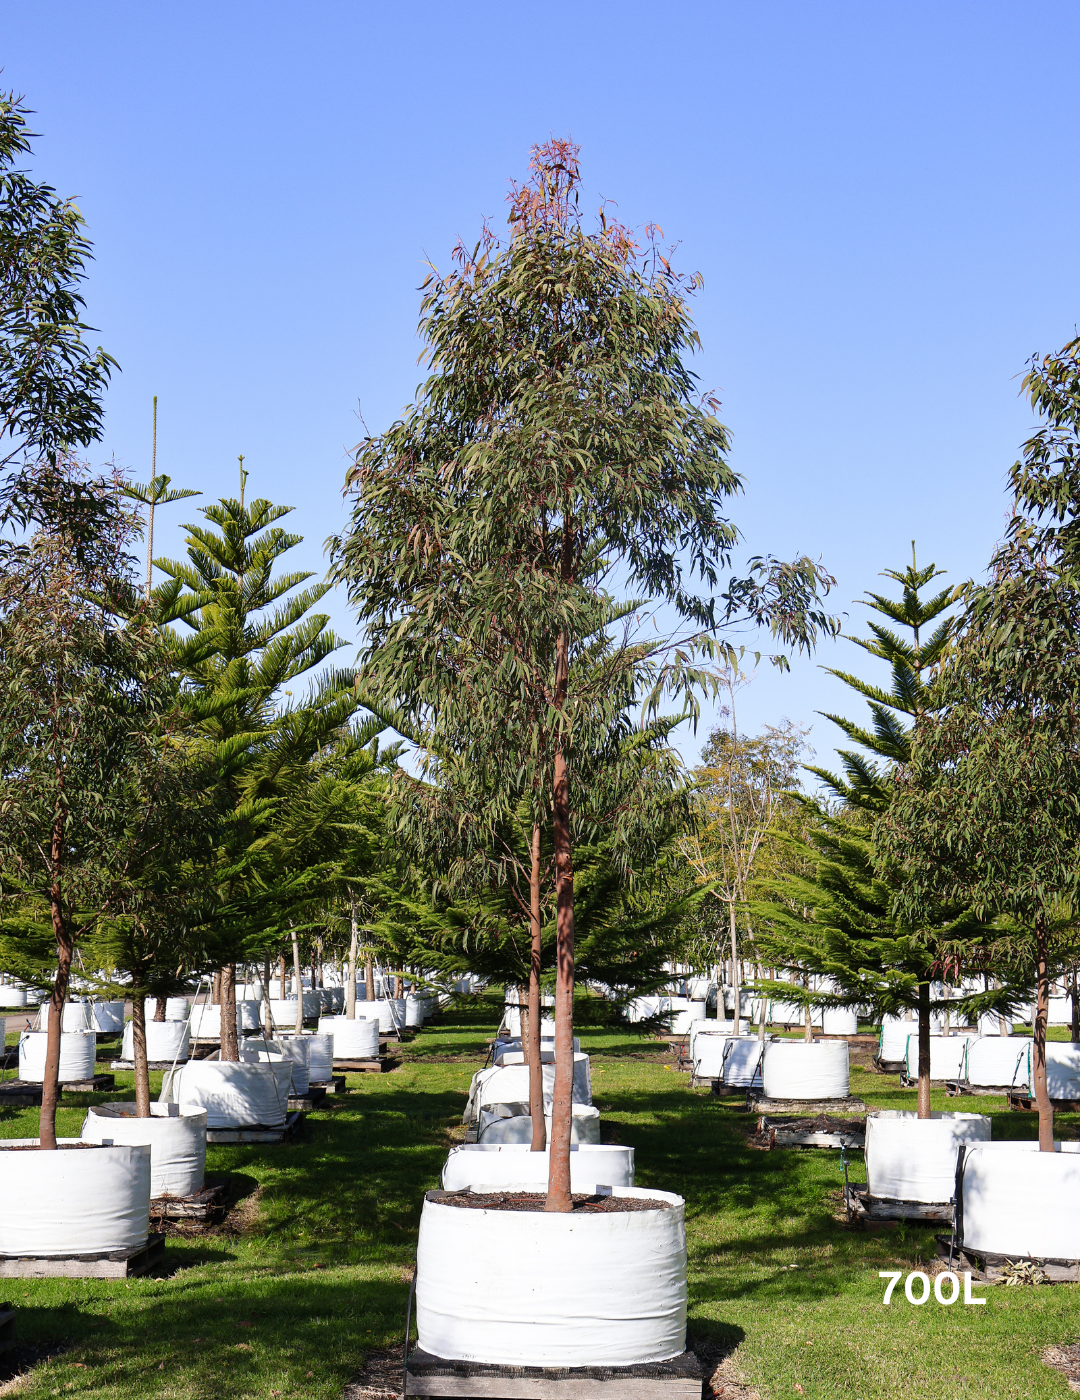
column 398, row 987
column 230, row 1043
column 369, row 977
column 536, row 1071
column 281, row 977
column 1074, row 993
column 350, row 980
column 267, row 1014
column 215, row 990
column 299, row 983
column 50, row 1089
column 142, row 1068
column 559, row 1197
column 924, row 1049
column 808, row 1015
column 317, row 980
column 1038, row 1038
column 735, row 985
column 159, row 1008
column 763, row 1014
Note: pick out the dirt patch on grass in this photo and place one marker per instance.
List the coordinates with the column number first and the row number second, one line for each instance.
column 1067, row 1361
column 17, row 1364
column 723, row 1379
column 381, row 1377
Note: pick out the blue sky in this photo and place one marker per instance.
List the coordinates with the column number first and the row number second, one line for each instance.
column 881, row 198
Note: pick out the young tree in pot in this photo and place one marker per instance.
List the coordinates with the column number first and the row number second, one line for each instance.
column 993, row 778
column 88, row 710
column 558, row 437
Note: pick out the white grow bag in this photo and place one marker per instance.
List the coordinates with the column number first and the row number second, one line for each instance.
column 946, row 1055
column 177, row 1008
column 283, row 1012
column 802, row 1070
column 206, row 1020
column 996, row 1061
column 353, row 1040
column 78, row 1016
column 107, row 1016
column 1022, row 1203
column 512, row 1022
column 77, row 1051
column 320, row 1057
column 483, row 1166
column 391, row 1013
column 709, row 1052
column 295, row 1051
column 234, row 1095
column 709, row 1027
column 892, row 1045
column 529, row 1288
column 414, row 1013
column 496, row 1125
column 742, row 1064
column 165, row 1040
column 914, row 1159
column 510, row 1085
column 11, row 997
column 839, row 1020
column 177, row 1142
column 1062, row 1070
column 77, row 1200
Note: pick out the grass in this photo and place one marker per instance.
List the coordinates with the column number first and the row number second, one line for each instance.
column 313, row 1268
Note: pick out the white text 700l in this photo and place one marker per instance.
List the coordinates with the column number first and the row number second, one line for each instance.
column 946, row 1288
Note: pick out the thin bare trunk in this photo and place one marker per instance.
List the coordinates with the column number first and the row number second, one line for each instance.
column 536, row 1071
column 762, row 1018
column 736, row 988
column 267, row 1014
column 50, row 1089
column 318, row 979
column 924, row 1049
column 215, row 992
column 281, row 977
column 398, row 988
column 369, row 977
column 299, row 983
column 230, row 1044
column 1038, row 1038
column 159, row 1008
column 142, row 1068
column 1074, row 994
column 350, row 980
column 559, row 1196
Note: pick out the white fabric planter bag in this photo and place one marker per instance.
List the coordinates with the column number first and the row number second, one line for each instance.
column 547, row 1046
column 12, row 997
column 517, row 1057
column 177, row 1008
column 283, row 1012
column 789, row 1013
column 839, row 1020
column 709, row 1027
column 77, row 1051
column 511, row 1085
column 894, row 1038
column 914, row 1159
column 1058, row 1012
column 529, row 1288
column 511, row 997
column 801, row 1070
column 391, row 1013
column 320, row 1056
column 1022, row 1202
column 742, row 1068
column 235, row 1095
column 482, row 1166
column 353, row 1040
column 177, row 1142
column 512, row 1021
column 496, row 1126
column 1062, row 1070
column 414, row 1013
column 107, row 1016
column 990, row 1024
column 206, row 1020
column 77, row 1200
column 709, row 1051
column 295, row 1051
column 996, row 1061
column 335, row 1000
column 78, row 1016
column 165, row 1040
column 946, row 1055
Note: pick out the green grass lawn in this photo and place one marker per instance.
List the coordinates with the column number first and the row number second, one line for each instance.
column 312, row 1268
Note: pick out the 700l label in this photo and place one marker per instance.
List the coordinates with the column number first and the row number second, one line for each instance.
column 946, row 1288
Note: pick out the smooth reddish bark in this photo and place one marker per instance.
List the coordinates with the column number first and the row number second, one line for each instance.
column 535, row 1012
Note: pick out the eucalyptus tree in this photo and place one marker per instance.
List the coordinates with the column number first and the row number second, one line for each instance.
column 90, row 737
column 993, row 780
column 248, row 633
column 558, row 437
column 51, row 381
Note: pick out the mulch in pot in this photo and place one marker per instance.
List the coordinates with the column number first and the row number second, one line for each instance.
column 531, row 1200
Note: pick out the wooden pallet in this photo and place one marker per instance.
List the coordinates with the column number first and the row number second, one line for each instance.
column 379, row 1065
column 257, row 1133
column 988, row 1268
column 960, row 1088
column 332, row 1086
column 678, row 1379
column 863, row 1206
column 129, row 1065
column 7, row 1326
column 203, row 1206
column 120, row 1263
column 803, row 1132
column 889, row 1066
column 720, row 1089
column 1023, row 1102
column 805, row 1108
column 305, row 1103
column 26, row 1093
